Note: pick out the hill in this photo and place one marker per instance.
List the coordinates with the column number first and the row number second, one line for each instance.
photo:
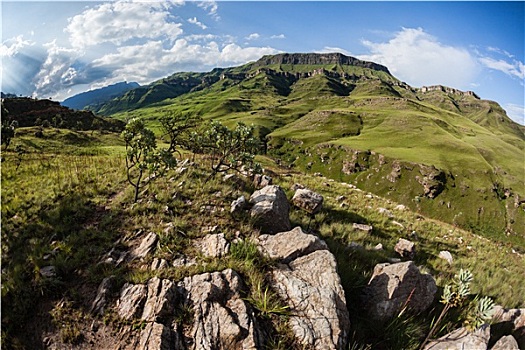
column 91, row 99
column 35, row 112
column 86, row 267
column 441, row 151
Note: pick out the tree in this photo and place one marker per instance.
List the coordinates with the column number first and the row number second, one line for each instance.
column 143, row 161
column 230, row 149
column 8, row 132
column 176, row 127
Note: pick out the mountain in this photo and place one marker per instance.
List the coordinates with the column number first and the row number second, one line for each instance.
column 91, row 99
column 443, row 152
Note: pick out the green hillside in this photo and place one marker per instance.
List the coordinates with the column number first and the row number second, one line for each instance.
column 441, row 151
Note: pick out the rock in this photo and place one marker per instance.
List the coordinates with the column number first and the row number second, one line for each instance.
column 361, row 227
column 297, row 186
column 161, row 299
column 271, row 209
column 393, row 286
column 287, row 246
column 48, row 271
column 312, row 288
column 155, row 336
column 183, row 261
column 308, row 200
column 146, row 246
column 379, row 246
column 386, row 212
column 159, row 264
column 462, row 339
column 221, row 318
column 405, row 248
column 445, row 255
column 234, row 179
column 132, row 297
column 260, row 181
column 103, row 293
column 238, row 205
column 510, row 321
column 340, row 198
column 214, row 246
column 433, row 180
column 400, row 207
column 506, row 343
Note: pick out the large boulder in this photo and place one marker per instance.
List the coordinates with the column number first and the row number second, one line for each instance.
column 221, row 318
column 506, row 343
column 306, row 278
column 161, row 299
column 289, row 245
column 308, row 200
column 392, row 286
column 462, row 339
column 271, row 209
column 509, row 322
column 131, row 301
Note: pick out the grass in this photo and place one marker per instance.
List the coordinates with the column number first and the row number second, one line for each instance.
column 67, row 205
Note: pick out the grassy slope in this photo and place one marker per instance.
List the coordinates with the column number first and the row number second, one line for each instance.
column 68, row 203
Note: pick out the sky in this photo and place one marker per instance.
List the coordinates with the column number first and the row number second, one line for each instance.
column 55, row 49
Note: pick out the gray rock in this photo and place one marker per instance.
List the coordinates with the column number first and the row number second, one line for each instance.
column 462, row 339
column 131, row 301
column 48, row 271
column 510, row 321
column 405, row 248
column 506, row 343
column 393, row 286
column 260, row 181
column 311, row 286
column 146, row 246
column 445, row 255
column 271, row 209
column 161, row 299
column 221, row 318
column 214, row 245
column 159, row 264
column 361, row 227
column 289, row 245
column 103, row 293
column 238, row 205
column 308, row 200
column 155, row 336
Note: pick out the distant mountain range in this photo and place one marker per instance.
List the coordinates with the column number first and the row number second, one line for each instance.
column 93, row 98
column 441, row 151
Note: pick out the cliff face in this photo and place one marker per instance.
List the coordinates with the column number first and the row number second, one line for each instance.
column 318, row 59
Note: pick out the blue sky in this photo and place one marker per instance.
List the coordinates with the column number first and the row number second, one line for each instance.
column 60, row 48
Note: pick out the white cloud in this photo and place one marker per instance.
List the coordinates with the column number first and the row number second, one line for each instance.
column 280, row 36
column 197, row 23
column 253, row 36
column 330, row 49
column 420, row 59
column 516, row 112
column 13, row 46
column 121, row 21
column 145, row 63
column 211, row 7
column 56, row 71
column 514, row 69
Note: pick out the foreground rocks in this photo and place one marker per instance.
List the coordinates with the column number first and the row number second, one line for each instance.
column 306, row 278
column 308, row 200
column 394, row 286
column 461, row 339
column 271, row 209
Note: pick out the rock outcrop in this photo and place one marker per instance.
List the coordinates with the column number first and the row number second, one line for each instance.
column 405, row 248
column 221, row 318
column 306, row 278
column 461, row 339
column 394, row 286
column 271, row 209
column 308, row 200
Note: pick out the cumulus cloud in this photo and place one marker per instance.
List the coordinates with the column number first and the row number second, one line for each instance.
column 121, row 21
column 211, row 7
column 253, row 36
column 13, row 46
column 420, row 59
column 280, row 36
column 197, row 23
column 516, row 112
column 514, row 69
column 57, row 71
column 150, row 61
